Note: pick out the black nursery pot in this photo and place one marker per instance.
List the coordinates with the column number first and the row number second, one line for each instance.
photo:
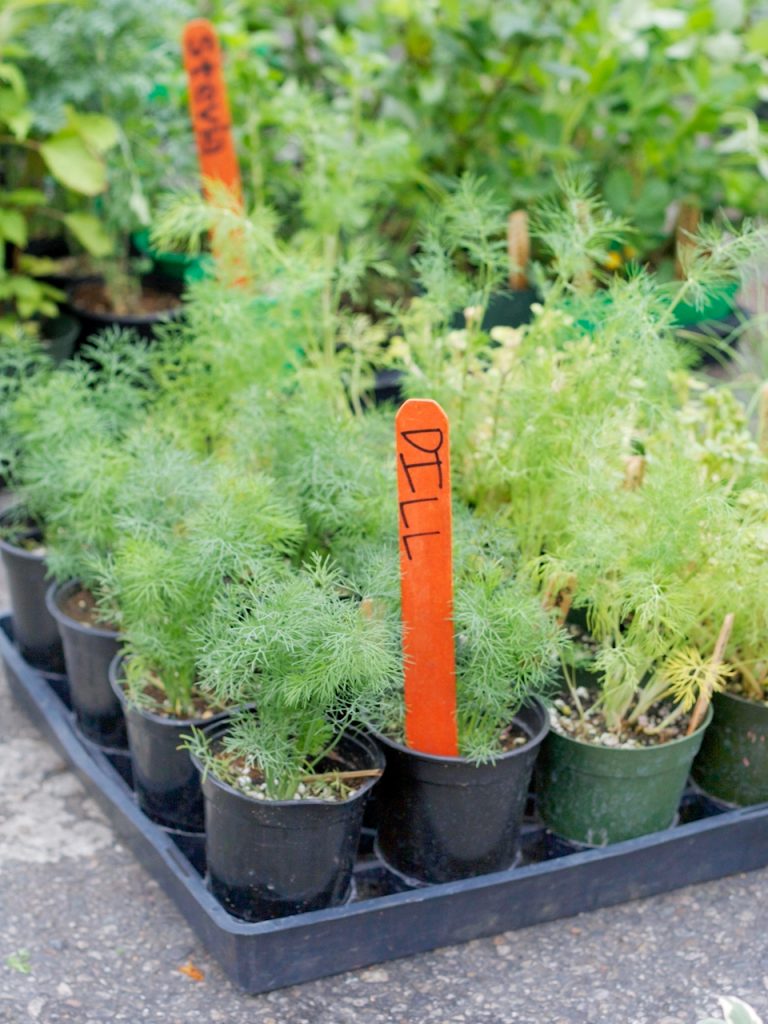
column 88, row 652
column 59, row 336
column 444, row 818
column 273, row 858
column 166, row 781
column 505, row 309
column 34, row 629
column 143, row 323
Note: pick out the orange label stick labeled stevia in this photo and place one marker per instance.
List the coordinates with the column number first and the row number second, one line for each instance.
column 209, row 108
column 426, row 577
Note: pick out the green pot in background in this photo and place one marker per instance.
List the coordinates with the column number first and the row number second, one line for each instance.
column 600, row 795
column 719, row 304
column 732, row 764
column 176, row 266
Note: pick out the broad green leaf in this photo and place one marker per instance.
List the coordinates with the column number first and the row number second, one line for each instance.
column 13, row 227
column 20, row 123
column 99, row 132
column 757, row 37
column 24, row 197
column 10, row 73
column 70, row 161
column 90, row 233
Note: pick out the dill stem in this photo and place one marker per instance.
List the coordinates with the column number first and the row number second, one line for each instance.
column 705, row 696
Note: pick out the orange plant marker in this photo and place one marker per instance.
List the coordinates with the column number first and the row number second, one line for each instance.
column 209, row 108
column 426, row 577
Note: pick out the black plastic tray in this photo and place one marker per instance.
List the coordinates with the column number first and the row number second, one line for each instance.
column 386, row 921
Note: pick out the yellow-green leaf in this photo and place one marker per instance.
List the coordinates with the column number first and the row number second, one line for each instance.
column 90, row 233
column 24, row 197
column 757, row 37
column 72, row 163
column 96, row 130
column 13, row 227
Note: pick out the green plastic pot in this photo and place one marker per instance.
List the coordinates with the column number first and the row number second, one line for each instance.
column 599, row 795
column 177, row 266
column 732, row 764
column 719, row 304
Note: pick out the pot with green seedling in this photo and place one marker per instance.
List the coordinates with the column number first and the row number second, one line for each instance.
column 286, row 779
column 462, row 736
column 638, row 675
column 189, row 527
column 24, row 367
column 69, row 432
column 733, row 762
column 23, row 556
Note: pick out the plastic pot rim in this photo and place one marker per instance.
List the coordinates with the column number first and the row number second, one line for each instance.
column 636, row 751
column 115, row 681
column 539, row 736
column 206, row 775
column 738, row 699
column 129, row 319
column 6, row 545
column 52, row 596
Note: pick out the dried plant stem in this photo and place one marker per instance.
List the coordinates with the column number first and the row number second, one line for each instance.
column 519, row 249
column 687, row 225
column 705, row 696
column 634, row 473
column 560, row 598
column 363, row 773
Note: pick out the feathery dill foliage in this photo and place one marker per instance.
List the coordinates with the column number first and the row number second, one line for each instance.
column 309, row 659
column 659, row 561
column 186, row 528
column 69, row 428
column 550, row 421
column 576, row 229
column 338, row 468
column 507, row 645
column 462, row 257
column 288, row 315
column 23, row 364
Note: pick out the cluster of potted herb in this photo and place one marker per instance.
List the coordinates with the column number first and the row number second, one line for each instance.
column 228, row 505
column 68, row 431
column 187, row 530
column 286, row 778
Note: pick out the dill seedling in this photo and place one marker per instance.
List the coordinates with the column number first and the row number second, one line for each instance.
column 309, row 660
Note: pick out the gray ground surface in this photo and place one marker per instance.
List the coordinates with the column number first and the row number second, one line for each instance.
column 86, row 935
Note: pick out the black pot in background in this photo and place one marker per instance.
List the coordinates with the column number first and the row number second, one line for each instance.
column 143, row 323
column 166, row 781
column 732, row 764
column 444, row 818
column 505, row 309
column 273, row 858
column 59, row 335
column 34, row 629
column 88, row 652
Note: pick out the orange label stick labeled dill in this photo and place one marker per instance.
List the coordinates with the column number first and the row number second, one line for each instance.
column 426, row 577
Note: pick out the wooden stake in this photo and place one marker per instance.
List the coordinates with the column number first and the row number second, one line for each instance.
column 705, row 696
column 687, row 225
column 209, row 109
column 426, row 577
column 635, row 472
column 518, row 249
